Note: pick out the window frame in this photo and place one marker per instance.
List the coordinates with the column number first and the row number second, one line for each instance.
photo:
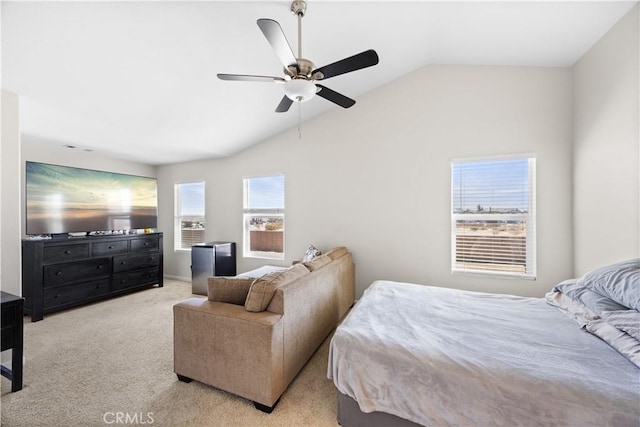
column 178, row 218
column 529, row 218
column 248, row 213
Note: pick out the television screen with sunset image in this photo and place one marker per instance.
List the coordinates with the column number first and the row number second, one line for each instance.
column 62, row 199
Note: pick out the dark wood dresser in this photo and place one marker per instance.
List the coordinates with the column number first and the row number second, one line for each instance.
column 62, row 273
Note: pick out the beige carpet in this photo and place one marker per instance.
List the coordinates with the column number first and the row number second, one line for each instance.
column 89, row 365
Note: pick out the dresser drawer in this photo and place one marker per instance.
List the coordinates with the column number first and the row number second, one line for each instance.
column 62, row 295
column 133, row 262
column 144, row 244
column 110, row 248
column 54, row 254
column 136, row 278
column 61, row 274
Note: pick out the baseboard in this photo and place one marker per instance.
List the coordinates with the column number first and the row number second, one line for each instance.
column 182, row 279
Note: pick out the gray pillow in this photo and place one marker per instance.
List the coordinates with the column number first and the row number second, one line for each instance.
column 592, row 300
column 619, row 282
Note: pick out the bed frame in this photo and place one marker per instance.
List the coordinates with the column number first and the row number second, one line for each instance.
column 350, row 415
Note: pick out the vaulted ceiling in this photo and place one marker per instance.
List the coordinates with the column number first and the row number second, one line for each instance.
column 137, row 80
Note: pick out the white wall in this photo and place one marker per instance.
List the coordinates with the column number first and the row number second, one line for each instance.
column 178, row 264
column 606, row 194
column 376, row 177
column 10, row 272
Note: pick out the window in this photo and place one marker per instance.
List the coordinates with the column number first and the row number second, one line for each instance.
column 264, row 217
column 493, row 227
column 189, row 215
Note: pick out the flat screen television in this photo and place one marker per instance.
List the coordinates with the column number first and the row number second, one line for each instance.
column 63, row 199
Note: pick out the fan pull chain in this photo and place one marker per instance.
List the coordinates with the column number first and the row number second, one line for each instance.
column 299, row 119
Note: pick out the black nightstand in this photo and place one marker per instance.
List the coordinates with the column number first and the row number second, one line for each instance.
column 12, row 338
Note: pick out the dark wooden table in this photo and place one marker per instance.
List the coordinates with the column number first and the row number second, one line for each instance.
column 12, row 336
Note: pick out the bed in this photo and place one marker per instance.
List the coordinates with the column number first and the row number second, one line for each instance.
column 411, row 354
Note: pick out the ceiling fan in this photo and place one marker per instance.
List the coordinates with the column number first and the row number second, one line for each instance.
column 300, row 74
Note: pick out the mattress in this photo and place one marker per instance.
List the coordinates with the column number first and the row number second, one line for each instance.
column 438, row 356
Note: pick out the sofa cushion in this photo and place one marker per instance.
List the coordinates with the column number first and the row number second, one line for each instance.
column 337, row 252
column 262, row 289
column 229, row 289
column 317, row 262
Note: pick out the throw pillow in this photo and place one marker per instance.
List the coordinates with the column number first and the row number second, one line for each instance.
column 262, row 289
column 311, row 253
column 228, row 289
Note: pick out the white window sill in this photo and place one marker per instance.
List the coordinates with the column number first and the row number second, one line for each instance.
column 264, row 255
column 504, row 275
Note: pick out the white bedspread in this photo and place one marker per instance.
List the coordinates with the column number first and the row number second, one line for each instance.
column 261, row 271
column 439, row 356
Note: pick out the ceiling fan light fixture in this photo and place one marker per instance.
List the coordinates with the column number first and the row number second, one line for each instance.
column 299, row 90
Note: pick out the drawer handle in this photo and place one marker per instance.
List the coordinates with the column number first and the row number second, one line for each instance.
column 99, row 286
column 58, row 273
column 110, row 247
column 56, row 296
column 123, row 281
column 123, row 262
column 67, row 252
column 146, row 243
column 100, row 266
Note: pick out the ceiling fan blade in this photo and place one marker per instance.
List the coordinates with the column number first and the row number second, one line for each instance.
column 284, row 105
column 278, row 41
column 335, row 97
column 356, row 62
column 249, row 78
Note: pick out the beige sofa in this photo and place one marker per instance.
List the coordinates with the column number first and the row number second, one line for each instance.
column 256, row 354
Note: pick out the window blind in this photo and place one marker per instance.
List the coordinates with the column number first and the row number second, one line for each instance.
column 493, row 226
column 190, row 237
column 189, row 226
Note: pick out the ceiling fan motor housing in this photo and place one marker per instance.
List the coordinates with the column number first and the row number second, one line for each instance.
column 301, row 70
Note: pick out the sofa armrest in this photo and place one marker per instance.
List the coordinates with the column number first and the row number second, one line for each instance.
column 227, row 312
column 225, row 346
